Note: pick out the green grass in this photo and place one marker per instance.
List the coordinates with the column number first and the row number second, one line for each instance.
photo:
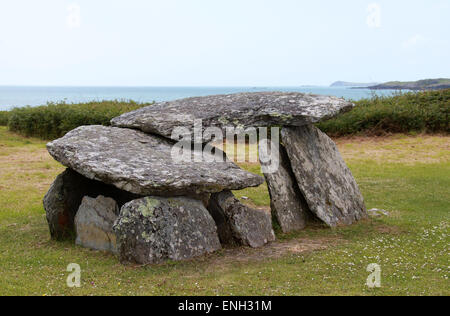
column 411, row 245
column 56, row 119
column 414, row 112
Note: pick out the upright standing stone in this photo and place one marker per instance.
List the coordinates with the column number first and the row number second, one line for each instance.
column 286, row 201
column 94, row 223
column 323, row 177
column 238, row 223
column 155, row 229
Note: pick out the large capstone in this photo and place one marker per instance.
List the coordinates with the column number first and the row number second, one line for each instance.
column 239, row 224
column 94, row 223
column 240, row 110
column 64, row 197
column 287, row 202
column 155, row 229
column 323, row 177
column 147, row 165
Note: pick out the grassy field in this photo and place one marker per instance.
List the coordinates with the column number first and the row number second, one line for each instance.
column 408, row 176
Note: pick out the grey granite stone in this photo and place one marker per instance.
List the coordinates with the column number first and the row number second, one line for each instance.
column 287, row 202
column 143, row 164
column 64, row 197
column 239, row 224
column 235, row 110
column 154, row 230
column 94, row 223
column 323, row 177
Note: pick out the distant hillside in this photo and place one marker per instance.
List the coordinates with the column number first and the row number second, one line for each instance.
column 351, row 84
column 427, row 84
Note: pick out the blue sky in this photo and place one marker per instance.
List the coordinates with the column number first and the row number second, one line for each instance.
column 222, row 42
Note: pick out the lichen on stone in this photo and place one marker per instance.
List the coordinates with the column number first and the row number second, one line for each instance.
column 174, row 229
column 148, row 208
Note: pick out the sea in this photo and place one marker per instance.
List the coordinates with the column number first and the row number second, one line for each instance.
column 18, row 96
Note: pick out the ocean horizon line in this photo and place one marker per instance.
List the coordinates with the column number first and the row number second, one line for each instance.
column 164, row 86
column 17, row 96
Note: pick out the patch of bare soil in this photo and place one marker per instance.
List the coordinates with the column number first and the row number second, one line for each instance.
column 278, row 249
column 391, row 230
column 21, row 155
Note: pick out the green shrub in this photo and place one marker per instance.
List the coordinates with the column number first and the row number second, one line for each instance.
column 404, row 113
column 413, row 112
column 54, row 120
column 4, row 116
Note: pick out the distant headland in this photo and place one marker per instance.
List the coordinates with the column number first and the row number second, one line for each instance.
column 352, row 84
column 426, row 84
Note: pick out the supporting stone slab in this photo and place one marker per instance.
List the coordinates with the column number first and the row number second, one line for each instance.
column 239, row 224
column 155, row 229
column 287, row 202
column 94, row 223
column 323, row 177
column 64, row 197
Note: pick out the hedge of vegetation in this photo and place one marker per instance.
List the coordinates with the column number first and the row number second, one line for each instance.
column 54, row 120
column 415, row 112
column 4, row 115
